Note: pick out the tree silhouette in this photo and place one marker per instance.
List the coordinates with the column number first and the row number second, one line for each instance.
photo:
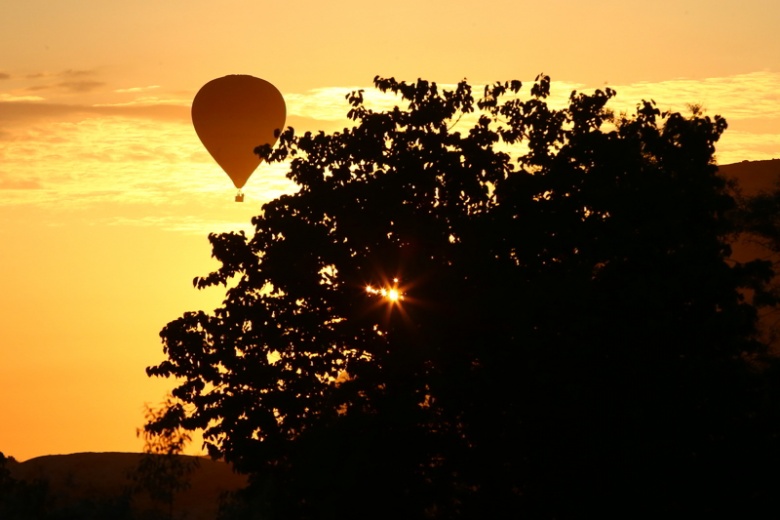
column 20, row 499
column 479, row 309
column 758, row 218
column 163, row 471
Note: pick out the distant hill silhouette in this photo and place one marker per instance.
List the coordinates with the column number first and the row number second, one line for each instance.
column 753, row 176
column 101, row 476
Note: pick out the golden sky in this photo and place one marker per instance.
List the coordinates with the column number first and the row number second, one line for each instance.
column 107, row 195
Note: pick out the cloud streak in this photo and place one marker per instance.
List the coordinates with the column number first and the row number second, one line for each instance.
column 67, row 73
column 126, row 170
column 133, row 90
column 19, row 184
column 754, row 95
column 12, row 98
column 22, row 112
column 79, row 87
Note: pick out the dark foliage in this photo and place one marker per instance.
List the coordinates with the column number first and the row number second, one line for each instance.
column 97, row 508
column 571, row 340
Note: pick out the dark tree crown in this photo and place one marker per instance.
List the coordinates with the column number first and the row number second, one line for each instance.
column 566, row 325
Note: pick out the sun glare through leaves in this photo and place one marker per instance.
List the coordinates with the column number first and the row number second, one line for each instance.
column 392, row 294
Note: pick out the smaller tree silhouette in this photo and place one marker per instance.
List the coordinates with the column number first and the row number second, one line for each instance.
column 163, row 471
column 20, row 499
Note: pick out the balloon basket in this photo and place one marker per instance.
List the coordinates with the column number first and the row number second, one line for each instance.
column 240, row 196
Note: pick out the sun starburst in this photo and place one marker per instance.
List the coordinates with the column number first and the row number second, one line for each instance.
column 392, row 292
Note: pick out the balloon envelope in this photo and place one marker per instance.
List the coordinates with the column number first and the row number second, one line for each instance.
column 234, row 114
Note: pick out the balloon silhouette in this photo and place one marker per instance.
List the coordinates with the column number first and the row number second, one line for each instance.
column 234, row 114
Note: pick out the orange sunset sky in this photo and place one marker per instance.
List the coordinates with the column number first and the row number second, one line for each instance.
column 107, row 195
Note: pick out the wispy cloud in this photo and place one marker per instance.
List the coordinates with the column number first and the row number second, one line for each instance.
column 49, row 86
column 80, row 87
column 123, row 162
column 148, row 101
column 19, row 184
column 21, row 111
column 136, row 89
column 754, row 95
column 330, row 103
column 13, row 98
column 67, row 73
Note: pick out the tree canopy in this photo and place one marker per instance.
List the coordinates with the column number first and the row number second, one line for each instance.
column 479, row 308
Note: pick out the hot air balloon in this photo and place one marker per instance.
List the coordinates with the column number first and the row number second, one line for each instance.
column 234, row 114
